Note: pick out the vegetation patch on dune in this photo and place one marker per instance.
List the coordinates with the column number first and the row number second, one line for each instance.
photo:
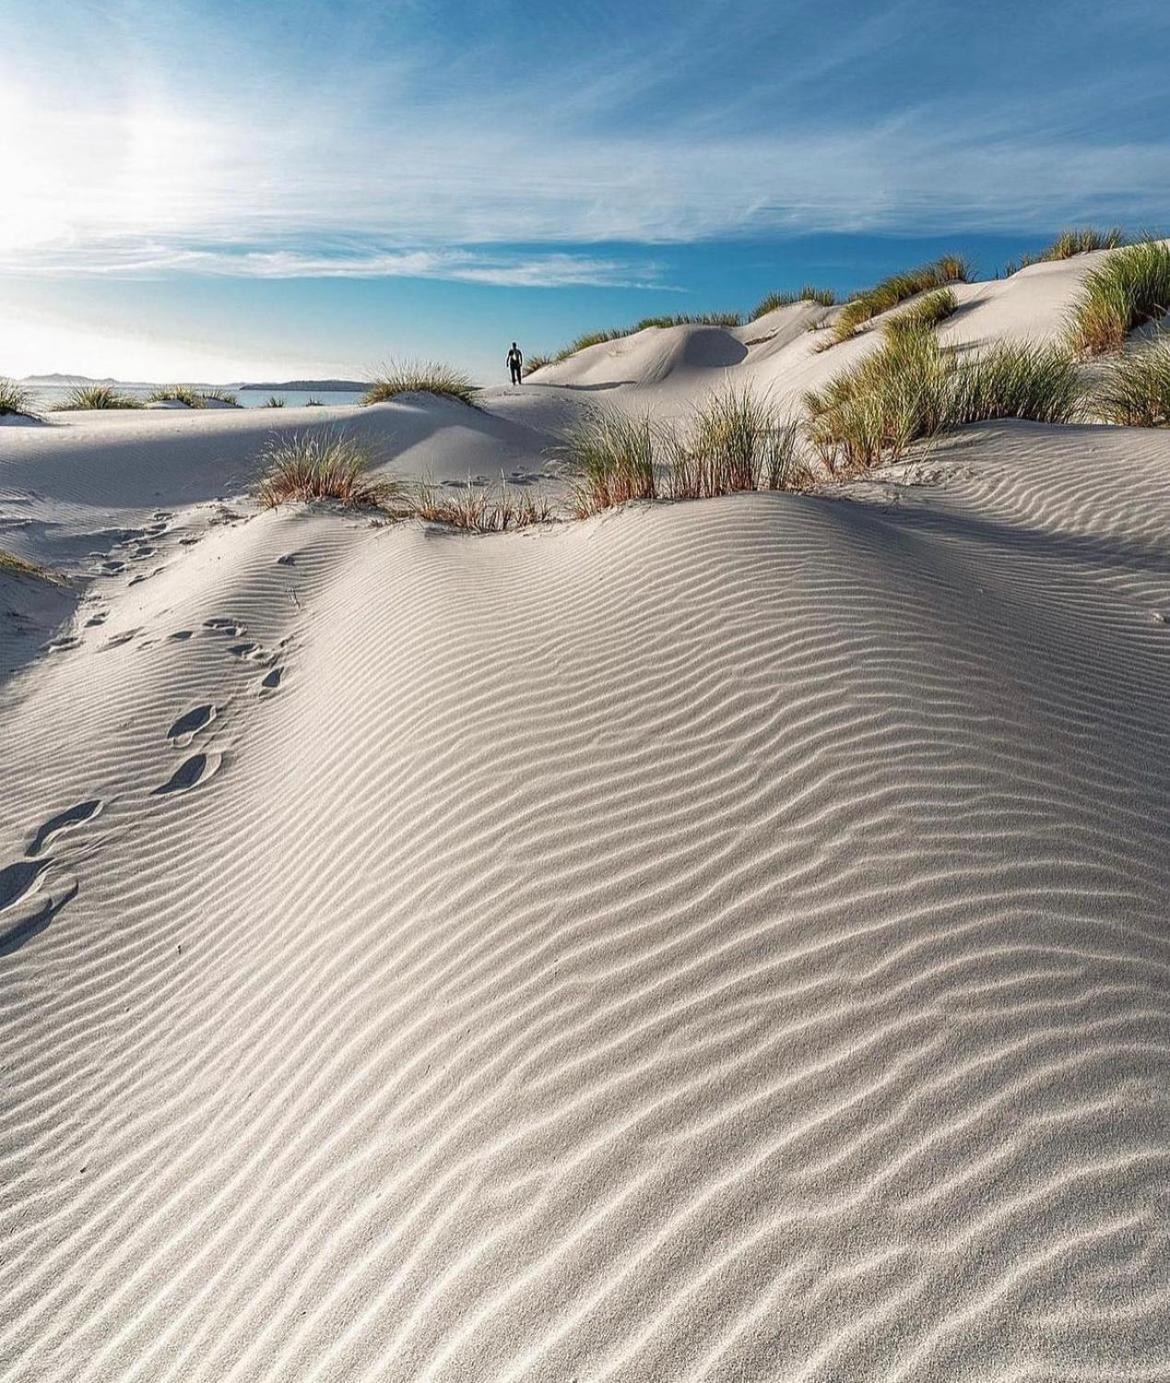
column 1069, row 243
column 478, row 509
column 925, row 314
column 192, row 398
column 825, row 297
column 420, row 377
column 11, row 565
column 1130, row 288
column 90, row 396
column 678, row 319
column 310, row 466
column 912, row 389
column 1134, row 389
column 15, row 400
column 896, row 289
column 536, row 362
column 736, row 441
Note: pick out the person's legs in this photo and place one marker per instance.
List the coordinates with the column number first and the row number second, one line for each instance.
column 515, row 374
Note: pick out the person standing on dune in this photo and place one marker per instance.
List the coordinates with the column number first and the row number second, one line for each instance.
column 515, row 363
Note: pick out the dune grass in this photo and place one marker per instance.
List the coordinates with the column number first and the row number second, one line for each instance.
column 532, row 363
column 826, row 297
column 1130, row 288
column 1079, row 241
column 912, row 389
column 309, row 466
column 897, row 289
column 1134, row 389
column 11, row 565
column 477, row 509
column 192, row 398
column 678, row 319
column 610, row 458
column 314, row 402
column 420, row 377
column 87, row 396
column 274, row 401
column 15, row 399
column 737, row 441
column 925, row 314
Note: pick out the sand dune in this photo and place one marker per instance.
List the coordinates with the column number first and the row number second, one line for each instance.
column 710, row 941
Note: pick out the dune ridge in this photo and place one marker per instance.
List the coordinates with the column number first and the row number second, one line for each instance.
column 710, row 941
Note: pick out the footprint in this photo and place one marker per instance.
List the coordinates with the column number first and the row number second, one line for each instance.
column 288, row 560
column 224, row 626
column 18, row 880
column 184, row 730
column 246, row 650
column 117, row 640
column 112, row 568
column 13, row 937
column 188, row 542
column 95, row 619
column 162, row 514
column 181, row 634
column 64, row 821
column 191, row 773
column 272, row 681
column 62, row 645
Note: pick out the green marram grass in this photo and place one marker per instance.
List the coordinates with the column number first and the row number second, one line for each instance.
column 1134, row 389
column 738, row 440
column 912, row 389
column 532, row 363
column 810, row 293
column 420, row 377
column 87, row 396
column 924, row 314
column 678, row 319
column 897, row 289
column 610, row 459
column 1127, row 290
column 1080, row 241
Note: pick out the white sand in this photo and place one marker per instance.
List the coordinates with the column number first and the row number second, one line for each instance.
column 716, row 941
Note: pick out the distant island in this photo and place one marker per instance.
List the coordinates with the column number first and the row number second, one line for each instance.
column 327, row 386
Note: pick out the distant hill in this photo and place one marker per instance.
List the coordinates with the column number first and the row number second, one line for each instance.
column 327, row 386
column 58, row 381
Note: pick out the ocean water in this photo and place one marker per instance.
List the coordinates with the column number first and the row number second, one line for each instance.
column 50, row 398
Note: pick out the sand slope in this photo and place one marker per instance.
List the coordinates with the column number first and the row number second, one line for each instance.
column 719, row 941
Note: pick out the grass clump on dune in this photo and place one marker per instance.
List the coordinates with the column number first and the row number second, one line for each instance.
column 533, row 363
column 912, row 389
column 11, row 565
column 1134, row 390
column 274, row 401
column 897, row 289
column 610, row 458
column 420, row 377
column 87, row 396
column 925, row 314
column 308, row 466
column 826, row 297
column 480, row 510
column 679, row 319
column 15, row 400
column 738, row 441
column 192, row 398
column 1070, row 243
column 1130, row 288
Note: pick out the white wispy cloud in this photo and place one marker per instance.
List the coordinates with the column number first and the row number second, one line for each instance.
column 188, row 149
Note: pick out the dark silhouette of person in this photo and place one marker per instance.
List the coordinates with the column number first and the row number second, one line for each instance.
column 516, row 363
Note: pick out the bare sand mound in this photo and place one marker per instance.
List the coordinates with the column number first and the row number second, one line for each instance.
column 716, row 941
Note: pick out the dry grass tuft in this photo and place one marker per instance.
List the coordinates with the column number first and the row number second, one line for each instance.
column 532, row 363
column 15, row 400
column 897, row 289
column 275, row 401
column 420, row 377
column 1130, row 288
column 309, row 466
column 1134, row 390
column 11, row 565
column 480, row 510
column 87, row 396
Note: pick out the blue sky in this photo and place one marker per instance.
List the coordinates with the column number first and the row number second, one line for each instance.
column 220, row 191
